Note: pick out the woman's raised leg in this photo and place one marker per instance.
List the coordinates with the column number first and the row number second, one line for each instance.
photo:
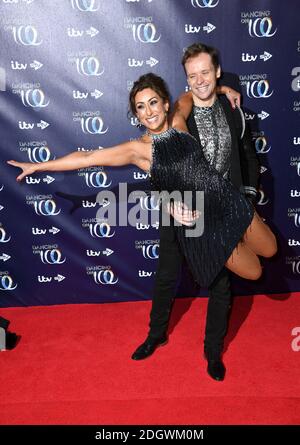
column 259, row 238
column 244, row 262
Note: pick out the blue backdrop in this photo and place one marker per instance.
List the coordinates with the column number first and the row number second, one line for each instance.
column 66, row 68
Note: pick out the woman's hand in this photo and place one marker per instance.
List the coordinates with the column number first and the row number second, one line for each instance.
column 234, row 97
column 27, row 167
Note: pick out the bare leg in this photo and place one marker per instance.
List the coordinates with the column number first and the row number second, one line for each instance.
column 259, row 238
column 244, row 262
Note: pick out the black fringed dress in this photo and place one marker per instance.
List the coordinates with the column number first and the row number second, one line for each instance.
column 178, row 163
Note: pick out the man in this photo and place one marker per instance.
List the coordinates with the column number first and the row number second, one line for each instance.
column 227, row 146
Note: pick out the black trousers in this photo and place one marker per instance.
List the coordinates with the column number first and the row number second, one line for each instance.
column 169, row 266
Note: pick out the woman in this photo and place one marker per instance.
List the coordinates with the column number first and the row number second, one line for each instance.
column 175, row 163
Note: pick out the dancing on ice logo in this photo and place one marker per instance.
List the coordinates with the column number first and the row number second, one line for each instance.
column 259, row 23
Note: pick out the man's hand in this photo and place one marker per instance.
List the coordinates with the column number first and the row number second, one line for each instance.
column 182, row 214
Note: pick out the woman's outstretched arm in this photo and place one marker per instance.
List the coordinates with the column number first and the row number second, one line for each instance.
column 118, row 155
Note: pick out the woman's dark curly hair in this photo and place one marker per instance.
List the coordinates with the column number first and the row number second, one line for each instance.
column 152, row 81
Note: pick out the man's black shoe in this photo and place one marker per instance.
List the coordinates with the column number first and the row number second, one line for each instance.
column 148, row 347
column 12, row 340
column 215, row 366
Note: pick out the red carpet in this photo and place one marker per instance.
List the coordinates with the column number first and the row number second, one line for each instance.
column 73, row 366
